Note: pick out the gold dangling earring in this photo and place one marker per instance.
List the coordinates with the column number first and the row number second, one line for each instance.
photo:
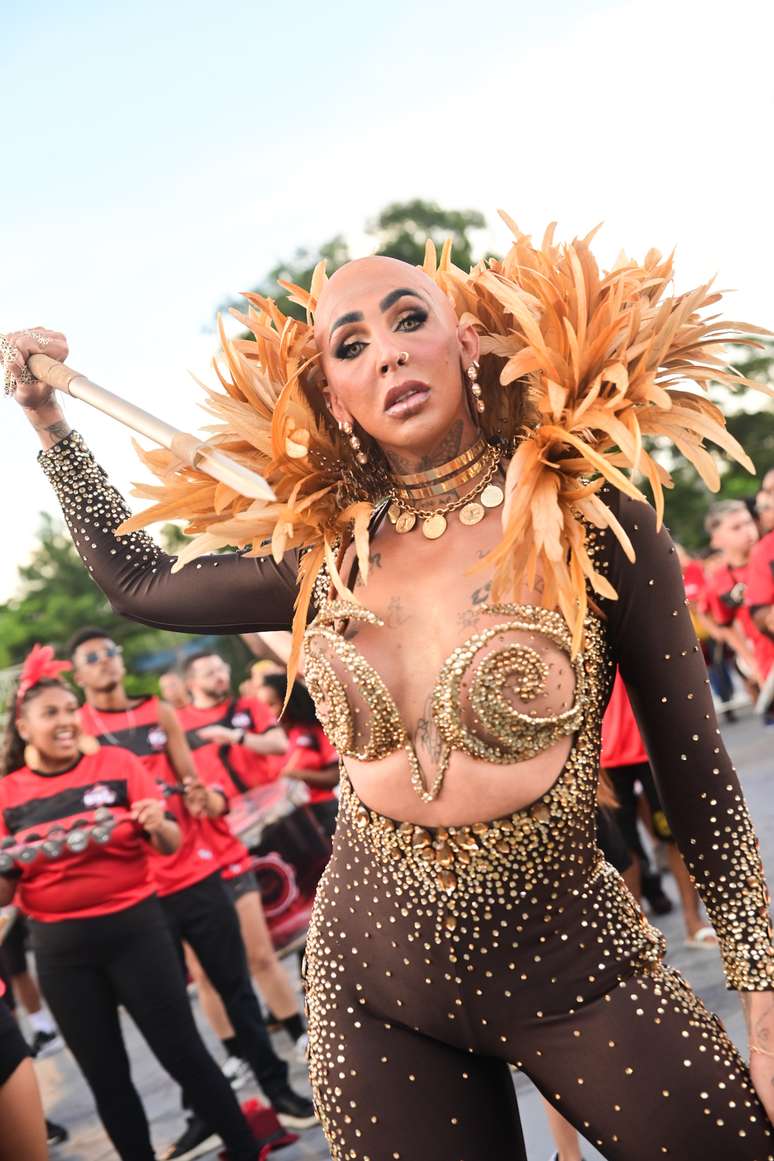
column 354, row 443
column 31, row 756
column 475, row 387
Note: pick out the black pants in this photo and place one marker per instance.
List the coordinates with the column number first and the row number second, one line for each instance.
column 87, row 968
column 204, row 916
column 623, row 779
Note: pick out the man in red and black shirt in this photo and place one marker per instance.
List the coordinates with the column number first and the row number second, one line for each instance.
column 243, row 731
column 195, row 902
column 734, row 535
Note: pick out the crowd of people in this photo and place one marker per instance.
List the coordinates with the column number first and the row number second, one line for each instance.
column 187, row 897
column 441, row 951
column 120, row 918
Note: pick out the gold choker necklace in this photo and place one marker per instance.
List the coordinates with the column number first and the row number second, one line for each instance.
column 443, row 471
column 404, row 514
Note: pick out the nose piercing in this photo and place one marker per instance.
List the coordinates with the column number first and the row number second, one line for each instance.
column 403, row 358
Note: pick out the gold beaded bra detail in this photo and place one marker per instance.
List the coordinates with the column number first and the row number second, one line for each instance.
column 495, row 697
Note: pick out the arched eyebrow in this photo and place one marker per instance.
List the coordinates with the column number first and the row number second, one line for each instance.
column 385, row 304
column 394, row 295
column 353, row 316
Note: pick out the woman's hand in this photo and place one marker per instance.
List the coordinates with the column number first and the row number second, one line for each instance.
column 759, row 1010
column 197, row 798
column 37, row 400
column 16, row 349
column 148, row 813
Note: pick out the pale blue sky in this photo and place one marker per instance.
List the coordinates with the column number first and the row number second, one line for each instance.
column 158, row 158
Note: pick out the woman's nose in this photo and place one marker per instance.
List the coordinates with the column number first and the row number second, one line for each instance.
column 391, row 360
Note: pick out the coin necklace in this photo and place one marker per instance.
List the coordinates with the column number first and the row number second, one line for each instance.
column 472, row 506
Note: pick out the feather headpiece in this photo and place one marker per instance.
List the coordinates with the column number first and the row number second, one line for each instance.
column 39, row 665
column 598, row 360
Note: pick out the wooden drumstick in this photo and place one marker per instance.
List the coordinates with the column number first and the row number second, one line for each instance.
column 188, row 448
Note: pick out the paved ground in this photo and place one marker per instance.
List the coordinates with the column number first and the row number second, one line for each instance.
column 67, row 1099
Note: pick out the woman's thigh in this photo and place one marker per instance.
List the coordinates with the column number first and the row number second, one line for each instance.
column 85, row 1005
column 385, row 1091
column 21, row 1117
column 646, row 1071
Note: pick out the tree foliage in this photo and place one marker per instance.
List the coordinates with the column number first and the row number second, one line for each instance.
column 688, row 501
column 400, row 230
column 56, row 596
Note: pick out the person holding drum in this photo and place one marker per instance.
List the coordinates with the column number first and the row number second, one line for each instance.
column 193, row 899
column 76, row 822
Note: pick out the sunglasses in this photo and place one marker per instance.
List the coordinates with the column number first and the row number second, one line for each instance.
column 95, row 655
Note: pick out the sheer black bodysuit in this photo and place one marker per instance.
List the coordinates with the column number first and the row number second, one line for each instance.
column 438, row 956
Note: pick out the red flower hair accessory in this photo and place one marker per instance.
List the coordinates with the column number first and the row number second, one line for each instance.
column 39, row 665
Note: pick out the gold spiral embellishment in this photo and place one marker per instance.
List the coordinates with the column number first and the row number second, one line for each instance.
column 386, row 731
column 330, row 700
column 519, row 735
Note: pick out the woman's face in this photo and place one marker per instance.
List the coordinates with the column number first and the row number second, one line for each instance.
column 393, row 354
column 49, row 722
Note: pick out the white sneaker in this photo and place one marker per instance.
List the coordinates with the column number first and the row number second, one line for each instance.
column 301, row 1049
column 236, row 1072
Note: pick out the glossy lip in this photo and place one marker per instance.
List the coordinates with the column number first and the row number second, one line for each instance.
column 416, row 386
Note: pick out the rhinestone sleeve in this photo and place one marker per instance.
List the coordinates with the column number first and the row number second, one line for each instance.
column 653, row 641
column 228, row 593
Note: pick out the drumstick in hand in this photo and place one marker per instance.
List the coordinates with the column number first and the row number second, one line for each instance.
column 187, row 447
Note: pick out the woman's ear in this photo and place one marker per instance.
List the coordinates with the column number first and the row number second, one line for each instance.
column 319, row 383
column 23, row 730
column 467, row 337
column 337, row 410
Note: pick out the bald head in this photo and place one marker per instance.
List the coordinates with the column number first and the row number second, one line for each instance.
column 343, row 295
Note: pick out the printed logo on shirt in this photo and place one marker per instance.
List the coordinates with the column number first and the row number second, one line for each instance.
column 306, row 742
column 735, row 597
column 204, row 853
column 241, row 720
column 98, row 795
column 157, row 739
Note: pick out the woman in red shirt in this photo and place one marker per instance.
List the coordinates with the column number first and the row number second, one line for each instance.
column 99, row 934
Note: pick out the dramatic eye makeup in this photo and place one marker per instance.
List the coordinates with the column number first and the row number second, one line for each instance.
column 410, row 319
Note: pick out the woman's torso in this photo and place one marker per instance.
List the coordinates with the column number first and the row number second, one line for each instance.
column 442, row 662
column 99, row 879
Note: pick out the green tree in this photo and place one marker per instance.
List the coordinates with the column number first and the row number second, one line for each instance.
column 688, row 501
column 56, row 597
column 400, row 230
column 299, row 269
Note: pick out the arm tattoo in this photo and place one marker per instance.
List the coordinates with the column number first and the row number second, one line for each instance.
column 56, row 430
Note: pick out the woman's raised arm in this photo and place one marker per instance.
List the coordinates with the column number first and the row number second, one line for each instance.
column 228, row 593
